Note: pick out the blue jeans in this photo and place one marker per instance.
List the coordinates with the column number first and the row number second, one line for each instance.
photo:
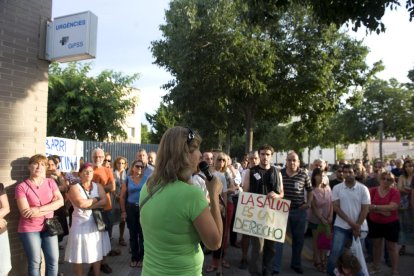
column 33, row 244
column 107, row 218
column 340, row 238
column 296, row 225
column 136, row 239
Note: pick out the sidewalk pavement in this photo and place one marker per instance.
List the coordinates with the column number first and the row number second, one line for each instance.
column 120, row 264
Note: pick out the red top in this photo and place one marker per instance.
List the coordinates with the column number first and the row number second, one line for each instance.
column 392, row 196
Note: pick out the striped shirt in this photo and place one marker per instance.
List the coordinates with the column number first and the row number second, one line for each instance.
column 295, row 186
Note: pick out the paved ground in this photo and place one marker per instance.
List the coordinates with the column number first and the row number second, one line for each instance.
column 120, row 264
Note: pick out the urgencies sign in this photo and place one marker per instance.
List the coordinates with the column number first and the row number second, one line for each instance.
column 72, row 37
column 262, row 217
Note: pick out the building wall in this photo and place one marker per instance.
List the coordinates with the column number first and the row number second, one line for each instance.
column 390, row 148
column 23, row 101
column 133, row 121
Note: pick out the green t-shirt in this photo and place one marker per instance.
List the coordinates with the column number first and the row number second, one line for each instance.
column 171, row 241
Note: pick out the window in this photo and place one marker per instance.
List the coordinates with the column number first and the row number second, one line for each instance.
column 132, row 131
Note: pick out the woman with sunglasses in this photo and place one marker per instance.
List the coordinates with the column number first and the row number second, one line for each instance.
column 383, row 221
column 221, row 171
column 175, row 215
column 129, row 201
column 107, row 161
column 120, row 175
column 405, row 212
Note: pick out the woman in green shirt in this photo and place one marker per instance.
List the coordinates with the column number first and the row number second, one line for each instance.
column 175, row 215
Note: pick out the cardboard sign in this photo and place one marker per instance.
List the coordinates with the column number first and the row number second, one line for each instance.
column 262, row 217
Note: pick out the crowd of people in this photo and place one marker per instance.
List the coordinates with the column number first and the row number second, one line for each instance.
column 180, row 214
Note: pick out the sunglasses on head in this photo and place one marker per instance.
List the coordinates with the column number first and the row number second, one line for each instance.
column 190, row 136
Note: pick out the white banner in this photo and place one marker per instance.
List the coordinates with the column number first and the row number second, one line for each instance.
column 262, row 217
column 69, row 151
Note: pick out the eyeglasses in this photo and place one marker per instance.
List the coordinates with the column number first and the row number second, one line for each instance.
column 339, row 171
column 387, row 179
column 106, row 160
column 190, row 136
column 220, row 159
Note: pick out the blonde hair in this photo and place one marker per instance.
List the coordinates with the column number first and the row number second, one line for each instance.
column 173, row 161
column 221, row 155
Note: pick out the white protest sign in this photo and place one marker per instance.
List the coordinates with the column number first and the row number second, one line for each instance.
column 262, row 217
column 69, row 151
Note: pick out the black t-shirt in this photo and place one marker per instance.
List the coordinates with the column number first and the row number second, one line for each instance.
column 263, row 181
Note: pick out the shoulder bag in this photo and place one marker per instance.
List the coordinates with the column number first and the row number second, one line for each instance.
column 97, row 215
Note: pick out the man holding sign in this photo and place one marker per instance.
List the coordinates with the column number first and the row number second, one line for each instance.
column 263, row 179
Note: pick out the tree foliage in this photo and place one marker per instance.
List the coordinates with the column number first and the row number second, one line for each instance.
column 88, row 108
column 165, row 118
column 366, row 13
column 229, row 75
column 389, row 103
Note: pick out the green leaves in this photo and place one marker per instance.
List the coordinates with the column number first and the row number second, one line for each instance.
column 231, row 75
column 88, row 108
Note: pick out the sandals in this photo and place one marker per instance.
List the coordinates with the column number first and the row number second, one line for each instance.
column 374, row 270
column 225, row 264
column 122, row 242
column 211, row 268
column 320, row 267
column 133, row 264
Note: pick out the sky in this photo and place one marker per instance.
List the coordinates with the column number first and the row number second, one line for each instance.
column 127, row 27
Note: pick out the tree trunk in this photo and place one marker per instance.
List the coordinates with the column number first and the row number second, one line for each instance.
column 249, row 130
column 228, row 141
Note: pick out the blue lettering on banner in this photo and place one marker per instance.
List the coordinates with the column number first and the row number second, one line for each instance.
column 71, row 24
column 75, row 44
column 56, row 144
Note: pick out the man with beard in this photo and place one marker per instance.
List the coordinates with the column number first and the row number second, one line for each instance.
column 263, row 179
column 351, row 202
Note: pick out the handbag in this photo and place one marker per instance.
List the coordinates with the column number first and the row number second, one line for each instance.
column 324, row 237
column 97, row 215
column 52, row 225
column 98, row 218
column 356, row 250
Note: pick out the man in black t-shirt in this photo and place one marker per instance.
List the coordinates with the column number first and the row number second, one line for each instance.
column 263, row 179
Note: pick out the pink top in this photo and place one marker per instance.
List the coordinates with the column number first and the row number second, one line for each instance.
column 392, row 196
column 322, row 197
column 45, row 193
